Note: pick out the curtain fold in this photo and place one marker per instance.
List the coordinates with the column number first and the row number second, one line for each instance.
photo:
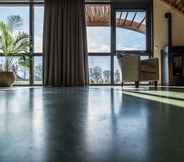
column 65, row 43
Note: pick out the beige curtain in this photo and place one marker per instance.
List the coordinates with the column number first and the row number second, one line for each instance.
column 65, row 43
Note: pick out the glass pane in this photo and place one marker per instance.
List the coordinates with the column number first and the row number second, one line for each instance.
column 16, row 21
column 99, row 70
column 19, row 66
column 38, row 69
column 98, row 23
column 38, row 28
column 98, row 39
column 130, row 31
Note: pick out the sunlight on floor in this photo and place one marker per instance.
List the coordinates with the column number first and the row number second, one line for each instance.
column 161, row 99
column 164, row 93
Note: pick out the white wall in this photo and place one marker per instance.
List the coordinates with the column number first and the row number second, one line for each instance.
column 160, row 27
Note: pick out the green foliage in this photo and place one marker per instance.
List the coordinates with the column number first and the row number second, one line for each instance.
column 24, row 61
column 13, row 43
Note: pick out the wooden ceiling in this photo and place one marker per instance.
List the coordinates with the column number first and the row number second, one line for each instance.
column 177, row 4
column 100, row 15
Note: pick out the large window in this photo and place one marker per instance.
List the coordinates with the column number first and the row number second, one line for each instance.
column 28, row 21
column 109, row 32
column 127, row 33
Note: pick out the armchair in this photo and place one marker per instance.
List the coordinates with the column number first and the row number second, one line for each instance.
column 135, row 70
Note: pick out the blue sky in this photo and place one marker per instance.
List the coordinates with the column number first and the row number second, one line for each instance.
column 99, row 39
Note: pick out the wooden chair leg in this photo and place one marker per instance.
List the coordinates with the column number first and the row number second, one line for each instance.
column 136, row 84
column 122, row 84
column 155, row 84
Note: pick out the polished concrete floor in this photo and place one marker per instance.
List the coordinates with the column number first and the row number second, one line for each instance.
column 88, row 125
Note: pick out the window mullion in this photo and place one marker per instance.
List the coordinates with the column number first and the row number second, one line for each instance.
column 31, row 22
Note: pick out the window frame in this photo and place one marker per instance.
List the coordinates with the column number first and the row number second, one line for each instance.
column 114, row 6
column 31, row 6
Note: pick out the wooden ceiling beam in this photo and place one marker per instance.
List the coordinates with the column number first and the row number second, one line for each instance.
column 120, row 17
column 133, row 18
column 106, row 23
column 125, row 18
column 141, row 22
column 101, row 16
column 176, row 4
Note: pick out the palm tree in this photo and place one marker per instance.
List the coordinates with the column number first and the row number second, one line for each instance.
column 13, row 43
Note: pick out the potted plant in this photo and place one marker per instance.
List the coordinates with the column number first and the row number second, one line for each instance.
column 13, row 45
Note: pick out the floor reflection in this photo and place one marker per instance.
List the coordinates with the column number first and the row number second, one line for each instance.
column 115, row 126
column 88, row 124
column 21, row 125
column 39, row 129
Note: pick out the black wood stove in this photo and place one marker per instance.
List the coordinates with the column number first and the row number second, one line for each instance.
column 172, row 60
